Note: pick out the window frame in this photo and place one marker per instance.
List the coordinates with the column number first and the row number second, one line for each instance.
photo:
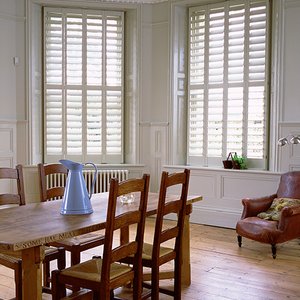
column 217, row 161
column 104, row 157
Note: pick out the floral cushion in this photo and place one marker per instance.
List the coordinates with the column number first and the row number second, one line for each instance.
column 273, row 213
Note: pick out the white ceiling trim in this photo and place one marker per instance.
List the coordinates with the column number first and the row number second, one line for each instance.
column 134, row 1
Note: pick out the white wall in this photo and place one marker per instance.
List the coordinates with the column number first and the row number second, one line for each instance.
column 12, row 82
column 156, row 123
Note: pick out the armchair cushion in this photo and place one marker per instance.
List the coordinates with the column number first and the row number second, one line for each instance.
column 273, row 213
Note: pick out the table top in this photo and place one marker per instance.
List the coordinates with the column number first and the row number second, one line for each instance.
column 36, row 224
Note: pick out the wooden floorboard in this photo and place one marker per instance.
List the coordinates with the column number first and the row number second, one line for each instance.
column 220, row 269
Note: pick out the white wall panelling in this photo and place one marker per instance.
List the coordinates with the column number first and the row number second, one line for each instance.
column 154, row 144
column 8, row 143
column 7, row 151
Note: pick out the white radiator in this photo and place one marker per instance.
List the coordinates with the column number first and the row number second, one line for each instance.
column 103, row 178
column 102, row 182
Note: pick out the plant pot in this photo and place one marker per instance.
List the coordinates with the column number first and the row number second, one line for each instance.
column 227, row 164
column 235, row 165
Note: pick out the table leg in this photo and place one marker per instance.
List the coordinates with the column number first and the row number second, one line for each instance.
column 186, row 263
column 32, row 272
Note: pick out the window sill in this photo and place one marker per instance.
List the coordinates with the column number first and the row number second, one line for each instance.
column 221, row 169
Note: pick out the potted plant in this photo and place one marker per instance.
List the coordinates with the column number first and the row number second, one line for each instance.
column 239, row 162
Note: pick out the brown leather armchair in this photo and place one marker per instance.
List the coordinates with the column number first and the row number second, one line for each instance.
column 269, row 231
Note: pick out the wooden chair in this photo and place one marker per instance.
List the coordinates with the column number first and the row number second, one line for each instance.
column 76, row 244
column 157, row 254
column 102, row 276
column 13, row 260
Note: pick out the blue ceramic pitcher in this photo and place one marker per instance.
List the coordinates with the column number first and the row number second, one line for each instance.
column 76, row 199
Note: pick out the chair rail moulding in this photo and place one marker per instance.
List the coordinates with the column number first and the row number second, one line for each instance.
column 223, row 190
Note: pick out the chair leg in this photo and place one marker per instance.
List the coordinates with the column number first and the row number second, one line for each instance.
column 239, row 238
column 46, row 274
column 177, row 279
column 75, row 256
column 155, row 283
column 274, row 250
column 75, row 259
column 18, row 280
column 58, row 289
column 61, row 261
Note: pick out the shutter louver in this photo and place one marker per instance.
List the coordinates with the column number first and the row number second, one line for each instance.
column 83, row 85
column 227, row 80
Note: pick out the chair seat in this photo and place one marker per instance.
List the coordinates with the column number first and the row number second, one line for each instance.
column 265, row 231
column 91, row 270
column 79, row 240
column 147, row 251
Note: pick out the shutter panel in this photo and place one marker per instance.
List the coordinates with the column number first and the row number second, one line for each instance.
column 113, row 122
column 256, row 144
column 197, row 44
column 94, row 122
column 114, row 78
column 53, row 24
column 196, row 115
column 74, row 44
column 94, row 49
column 196, row 81
column 53, row 48
column 256, row 122
column 235, row 120
column 215, row 122
column 236, row 43
column 114, row 50
column 74, row 122
column 216, row 46
column 257, row 42
column 54, row 122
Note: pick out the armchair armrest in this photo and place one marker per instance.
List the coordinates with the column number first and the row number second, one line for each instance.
column 254, row 206
column 290, row 220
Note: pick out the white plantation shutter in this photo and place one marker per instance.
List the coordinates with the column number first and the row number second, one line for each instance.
column 83, row 90
column 228, row 81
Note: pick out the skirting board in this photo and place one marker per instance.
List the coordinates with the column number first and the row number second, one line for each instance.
column 213, row 217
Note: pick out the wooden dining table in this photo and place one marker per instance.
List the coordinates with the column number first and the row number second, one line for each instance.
column 28, row 228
